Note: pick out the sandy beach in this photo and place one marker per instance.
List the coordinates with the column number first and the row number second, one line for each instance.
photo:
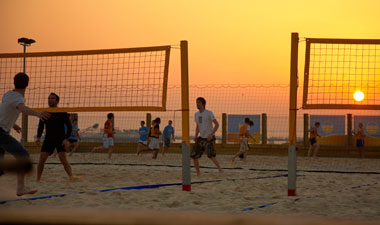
column 243, row 189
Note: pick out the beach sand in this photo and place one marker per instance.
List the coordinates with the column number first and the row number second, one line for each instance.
column 350, row 192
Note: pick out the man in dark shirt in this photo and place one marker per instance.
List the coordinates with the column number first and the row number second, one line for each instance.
column 58, row 130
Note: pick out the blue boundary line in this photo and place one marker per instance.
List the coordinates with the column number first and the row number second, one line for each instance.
column 307, row 197
column 139, row 188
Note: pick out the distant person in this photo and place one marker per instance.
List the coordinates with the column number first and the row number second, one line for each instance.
column 251, row 123
column 12, row 104
column 154, row 135
column 244, row 134
column 108, row 141
column 204, row 120
column 56, row 137
column 360, row 139
column 74, row 137
column 168, row 136
column 314, row 146
column 142, row 143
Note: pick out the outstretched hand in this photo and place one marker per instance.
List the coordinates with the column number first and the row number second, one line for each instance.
column 43, row 115
column 17, row 128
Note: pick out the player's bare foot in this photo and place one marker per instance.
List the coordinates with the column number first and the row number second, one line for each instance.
column 25, row 192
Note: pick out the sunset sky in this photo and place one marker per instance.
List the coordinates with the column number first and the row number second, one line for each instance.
column 230, row 42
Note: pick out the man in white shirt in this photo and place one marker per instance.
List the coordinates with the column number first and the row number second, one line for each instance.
column 206, row 131
column 12, row 104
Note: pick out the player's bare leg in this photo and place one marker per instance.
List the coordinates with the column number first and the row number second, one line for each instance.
column 75, row 147
column 65, row 163
column 213, row 159
column 196, row 165
column 41, row 164
column 110, row 150
column 21, row 190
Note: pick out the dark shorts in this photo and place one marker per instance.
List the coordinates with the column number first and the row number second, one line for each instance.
column 72, row 141
column 167, row 142
column 359, row 142
column 203, row 145
column 11, row 145
column 313, row 141
column 50, row 145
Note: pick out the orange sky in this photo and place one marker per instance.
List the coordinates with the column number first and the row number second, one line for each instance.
column 230, row 42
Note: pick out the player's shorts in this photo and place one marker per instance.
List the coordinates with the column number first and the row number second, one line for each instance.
column 312, row 141
column 73, row 141
column 50, row 145
column 244, row 144
column 359, row 142
column 11, row 145
column 167, row 142
column 143, row 142
column 107, row 142
column 154, row 144
column 203, row 145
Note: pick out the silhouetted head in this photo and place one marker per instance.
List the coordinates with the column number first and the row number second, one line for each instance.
column 201, row 103
column 21, row 81
column 53, row 100
column 110, row 116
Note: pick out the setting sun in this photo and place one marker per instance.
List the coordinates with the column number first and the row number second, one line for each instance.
column 358, row 96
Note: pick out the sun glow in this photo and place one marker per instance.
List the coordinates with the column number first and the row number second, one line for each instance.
column 358, row 96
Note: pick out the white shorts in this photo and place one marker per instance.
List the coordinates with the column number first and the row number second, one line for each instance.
column 107, row 142
column 154, row 144
column 244, row 144
column 143, row 142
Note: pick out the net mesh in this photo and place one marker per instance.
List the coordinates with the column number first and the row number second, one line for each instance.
column 98, row 80
column 337, row 68
column 271, row 100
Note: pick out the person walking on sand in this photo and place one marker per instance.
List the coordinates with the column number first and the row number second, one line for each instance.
column 314, row 146
column 206, row 127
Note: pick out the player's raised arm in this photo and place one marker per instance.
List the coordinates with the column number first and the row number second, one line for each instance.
column 25, row 109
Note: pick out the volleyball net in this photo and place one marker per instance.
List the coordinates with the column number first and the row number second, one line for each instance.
column 342, row 74
column 128, row 79
column 266, row 105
